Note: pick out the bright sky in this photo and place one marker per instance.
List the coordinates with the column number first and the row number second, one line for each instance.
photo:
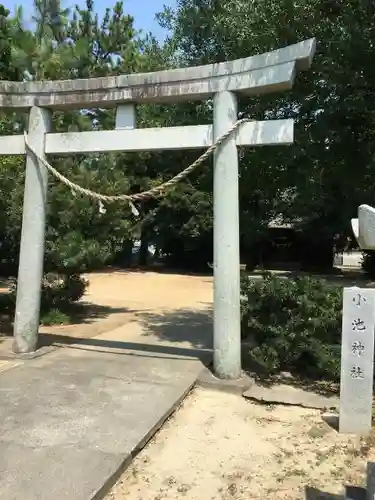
column 143, row 11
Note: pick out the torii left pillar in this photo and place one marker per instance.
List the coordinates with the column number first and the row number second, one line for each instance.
column 30, row 271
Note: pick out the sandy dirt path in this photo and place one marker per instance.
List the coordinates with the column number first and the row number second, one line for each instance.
column 165, row 313
column 141, row 290
column 219, row 446
column 163, row 305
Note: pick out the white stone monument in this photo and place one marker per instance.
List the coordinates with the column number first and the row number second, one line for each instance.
column 271, row 72
column 364, row 227
column 357, row 360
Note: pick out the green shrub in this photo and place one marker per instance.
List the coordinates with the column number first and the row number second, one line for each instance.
column 59, row 293
column 61, row 290
column 295, row 325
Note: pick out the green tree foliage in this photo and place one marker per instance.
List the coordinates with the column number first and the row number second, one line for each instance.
column 11, row 169
column 330, row 168
column 79, row 235
column 317, row 183
column 5, row 45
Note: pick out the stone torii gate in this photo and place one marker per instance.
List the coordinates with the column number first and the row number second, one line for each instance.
column 270, row 72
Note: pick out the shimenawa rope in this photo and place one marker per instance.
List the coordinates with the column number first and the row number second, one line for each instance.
column 144, row 195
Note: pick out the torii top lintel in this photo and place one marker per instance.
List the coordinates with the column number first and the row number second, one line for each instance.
column 268, row 72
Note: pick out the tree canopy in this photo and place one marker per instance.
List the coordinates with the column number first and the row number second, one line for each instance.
column 317, row 183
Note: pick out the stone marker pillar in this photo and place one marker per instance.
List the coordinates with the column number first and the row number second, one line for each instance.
column 357, row 357
column 30, row 272
column 227, row 325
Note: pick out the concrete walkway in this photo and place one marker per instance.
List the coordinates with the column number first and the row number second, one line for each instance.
column 72, row 419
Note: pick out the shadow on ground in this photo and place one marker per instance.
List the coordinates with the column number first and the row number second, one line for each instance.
column 190, row 330
column 128, row 348
column 352, row 493
column 83, row 313
column 257, row 371
column 315, row 494
column 88, row 320
column 87, row 312
column 183, row 326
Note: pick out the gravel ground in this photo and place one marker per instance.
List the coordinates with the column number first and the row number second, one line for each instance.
column 219, row 446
